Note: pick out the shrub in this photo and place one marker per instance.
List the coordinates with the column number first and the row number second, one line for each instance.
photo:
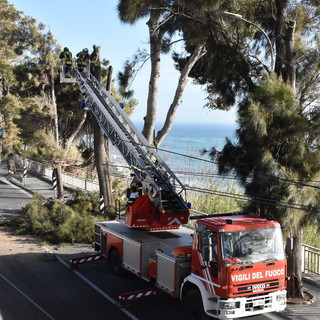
column 84, row 203
column 58, row 222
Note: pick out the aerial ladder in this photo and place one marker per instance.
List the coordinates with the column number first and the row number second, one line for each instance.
column 162, row 205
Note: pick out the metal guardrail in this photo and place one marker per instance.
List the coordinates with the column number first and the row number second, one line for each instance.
column 71, row 180
column 310, row 259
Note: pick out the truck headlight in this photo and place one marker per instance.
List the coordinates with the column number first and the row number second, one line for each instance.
column 281, row 297
column 227, row 305
column 228, row 312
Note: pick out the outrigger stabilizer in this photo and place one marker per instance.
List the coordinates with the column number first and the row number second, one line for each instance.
column 92, row 258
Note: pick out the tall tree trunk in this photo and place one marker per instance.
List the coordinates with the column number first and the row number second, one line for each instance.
column 5, row 88
column 73, row 135
column 60, row 188
column 290, row 55
column 101, row 150
column 100, row 159
column 155, row 48
column 183, row 80
column 295, row 267
column 107, row 149
column 279, row 32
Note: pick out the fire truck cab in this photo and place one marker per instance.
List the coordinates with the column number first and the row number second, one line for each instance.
column 238, row 266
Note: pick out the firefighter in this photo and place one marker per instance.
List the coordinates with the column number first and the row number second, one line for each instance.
column 134, row 192
column 139, row 188
column 132, row 195
column 83, row 59
column 83, row 104
column 66, row 57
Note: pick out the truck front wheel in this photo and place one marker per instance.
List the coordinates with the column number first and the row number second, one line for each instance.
column 193, row 305
column 115, row 263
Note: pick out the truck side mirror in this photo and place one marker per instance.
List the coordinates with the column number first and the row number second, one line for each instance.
column 205, row 253
column 214, row 268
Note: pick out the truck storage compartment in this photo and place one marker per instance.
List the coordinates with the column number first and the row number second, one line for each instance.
column 131, row 255
column 165, row 272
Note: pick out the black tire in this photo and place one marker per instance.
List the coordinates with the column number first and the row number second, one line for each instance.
column 115, row 263
column 193, row 305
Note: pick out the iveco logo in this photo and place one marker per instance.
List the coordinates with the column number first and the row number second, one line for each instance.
column 258, row 286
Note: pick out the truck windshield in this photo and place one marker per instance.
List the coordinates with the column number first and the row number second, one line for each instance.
column 252, row 246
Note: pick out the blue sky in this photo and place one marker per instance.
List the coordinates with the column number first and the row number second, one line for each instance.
column 80, row 24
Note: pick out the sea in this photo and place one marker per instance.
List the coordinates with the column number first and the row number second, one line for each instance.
column 183, row 148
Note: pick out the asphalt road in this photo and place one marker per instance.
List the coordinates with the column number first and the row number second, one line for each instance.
column 39, row 285
column 36, row 286
column 12, row 198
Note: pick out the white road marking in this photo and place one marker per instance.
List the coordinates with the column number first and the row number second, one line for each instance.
column 91, row 284
column 28, row 298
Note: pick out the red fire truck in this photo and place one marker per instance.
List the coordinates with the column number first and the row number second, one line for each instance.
column 229, row 266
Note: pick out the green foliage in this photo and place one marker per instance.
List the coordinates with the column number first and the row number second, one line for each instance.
column 311, row 235
column 27, row 63
column 124, row 78
column 57, row 222
column 84, row 203
column 41, row 146
column 17, row 34
column 273, row 151
column 69, row 110
column 211, row 204
column 10, row 107
column 121, row 97
column 131, row 11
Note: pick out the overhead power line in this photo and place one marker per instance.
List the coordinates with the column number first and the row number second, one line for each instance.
column 247, row 198
column 234, row 177
column 216, row 163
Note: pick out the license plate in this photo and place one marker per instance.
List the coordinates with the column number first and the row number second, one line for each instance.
column 258, row 303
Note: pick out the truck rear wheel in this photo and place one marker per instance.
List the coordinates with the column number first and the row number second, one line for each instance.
column 115, row 263
column 193, row 305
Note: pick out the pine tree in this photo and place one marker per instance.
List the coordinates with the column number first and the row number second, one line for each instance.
column 17, row 33
column 277, row 149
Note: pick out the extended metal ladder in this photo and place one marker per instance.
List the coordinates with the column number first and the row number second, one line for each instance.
column 146, row 163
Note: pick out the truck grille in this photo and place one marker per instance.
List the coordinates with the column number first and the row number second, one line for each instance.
column 256, row 287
